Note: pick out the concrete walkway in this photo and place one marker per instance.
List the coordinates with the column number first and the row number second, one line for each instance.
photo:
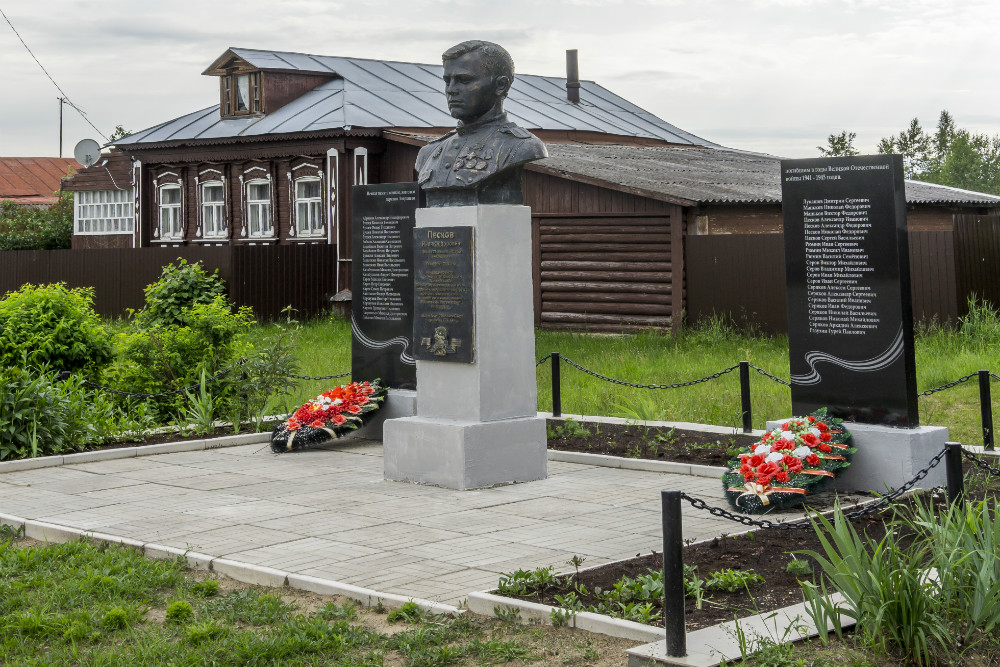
column 328, row 513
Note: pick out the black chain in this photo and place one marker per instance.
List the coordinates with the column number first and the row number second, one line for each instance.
column 994, row 375
column 623, row 383
column 949, row 385
column 319, row 377
column 979, row 463
column 768, row 375
column 543, row 360
column 139, row 394
column 799, row 524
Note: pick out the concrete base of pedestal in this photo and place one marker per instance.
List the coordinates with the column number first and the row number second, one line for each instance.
column 476, row 423
column 464, row 455
column 888, row 457
column 398, row 403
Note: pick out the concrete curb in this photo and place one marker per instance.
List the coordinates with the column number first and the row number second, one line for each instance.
column 133, row 452
column 246, row 572
column 533, row 612
column 644, row 465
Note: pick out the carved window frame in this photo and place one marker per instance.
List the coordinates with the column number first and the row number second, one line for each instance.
column 259, row 208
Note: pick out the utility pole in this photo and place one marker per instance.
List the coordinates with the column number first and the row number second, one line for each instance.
column 61, row 100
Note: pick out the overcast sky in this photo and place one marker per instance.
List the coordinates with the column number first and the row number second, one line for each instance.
column 776, row 76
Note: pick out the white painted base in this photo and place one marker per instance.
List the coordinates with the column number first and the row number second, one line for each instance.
column 476, row 424
column 889, row 457
column 464, row 455
column 398, row 403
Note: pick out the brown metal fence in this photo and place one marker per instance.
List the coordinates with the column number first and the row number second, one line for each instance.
column 742, row 276
column 977, row 258
column 266, row 278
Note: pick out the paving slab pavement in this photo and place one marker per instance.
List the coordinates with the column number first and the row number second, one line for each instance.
column 327, row 512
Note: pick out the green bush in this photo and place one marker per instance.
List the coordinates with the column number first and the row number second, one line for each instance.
column 169, row 300
column 35, row 228
column 52, row 325
column 154, row 358
column 40, row 416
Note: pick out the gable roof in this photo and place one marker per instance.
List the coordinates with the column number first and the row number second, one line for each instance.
column 33, row 180
column 689, row 176
column 385, row 94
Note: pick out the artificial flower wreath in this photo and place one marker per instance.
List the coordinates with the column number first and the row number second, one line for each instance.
column 788, row 464
column 330, row 415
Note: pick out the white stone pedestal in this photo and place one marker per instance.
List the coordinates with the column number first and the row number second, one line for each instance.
column 888, row 457
column 477, row 424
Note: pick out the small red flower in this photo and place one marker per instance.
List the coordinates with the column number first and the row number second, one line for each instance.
column 317, row 423
column 825, row 437
column 813, row 460
column 785, row 426
column 782, row 477
column 338, row 419
column 825, row 448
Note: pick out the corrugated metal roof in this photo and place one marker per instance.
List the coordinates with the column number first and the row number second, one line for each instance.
column 31, row 179
column 710, row 176
column 375, row 93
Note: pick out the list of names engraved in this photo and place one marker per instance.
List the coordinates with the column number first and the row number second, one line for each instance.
column 839, row 290
column 385, row 270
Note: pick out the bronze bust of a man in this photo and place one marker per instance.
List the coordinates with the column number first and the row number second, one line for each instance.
column 480, row 161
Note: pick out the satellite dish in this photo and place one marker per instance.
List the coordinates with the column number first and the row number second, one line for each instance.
column 87, row 152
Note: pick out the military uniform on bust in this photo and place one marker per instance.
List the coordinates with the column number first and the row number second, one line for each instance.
column 480, row 161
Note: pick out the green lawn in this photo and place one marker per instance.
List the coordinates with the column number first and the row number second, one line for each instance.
column 648, row 358
column 80, row 604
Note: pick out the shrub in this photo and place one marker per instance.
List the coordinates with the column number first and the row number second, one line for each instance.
column 52, row 325
column 36, row 228
column 158, row 358
column 40, row 416
column 170, row 299
column 179, row 611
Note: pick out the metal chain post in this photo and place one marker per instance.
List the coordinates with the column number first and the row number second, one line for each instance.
column 953, row 471
column 745, row 396
column 673, row 574
column 986, row 410
column 556, row 386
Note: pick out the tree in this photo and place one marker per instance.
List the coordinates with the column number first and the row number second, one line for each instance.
column 839, row 144
column 119, row 133
column 914, row 145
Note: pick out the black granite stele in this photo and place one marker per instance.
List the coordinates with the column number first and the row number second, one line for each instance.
column 850, row 323
column 383, row 217
column 443, row 298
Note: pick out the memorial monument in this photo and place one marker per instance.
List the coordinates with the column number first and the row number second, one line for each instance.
column 850, row 328
column 473, row 324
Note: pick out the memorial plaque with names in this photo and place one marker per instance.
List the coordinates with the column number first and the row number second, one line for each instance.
column 443, row 305
column 850, row 323
column 383, row 217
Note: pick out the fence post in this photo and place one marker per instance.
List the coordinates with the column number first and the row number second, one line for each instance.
column 986, row 409
column 673, row 574
column 953, row 471
column 745, row 396
column 556, row 397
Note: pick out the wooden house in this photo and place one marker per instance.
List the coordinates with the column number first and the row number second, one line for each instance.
column 273, row 160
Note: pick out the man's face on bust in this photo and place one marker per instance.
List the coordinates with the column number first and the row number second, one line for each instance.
column 471, row 90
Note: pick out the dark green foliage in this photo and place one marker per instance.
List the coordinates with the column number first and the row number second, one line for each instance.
column 170, row 299
column 36, row 228
column 409, row 612
column 839, row 145
column 179, row 611
column 54, row 325
column 41, row 416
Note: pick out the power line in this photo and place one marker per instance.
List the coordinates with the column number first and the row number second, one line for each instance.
column 65, row 96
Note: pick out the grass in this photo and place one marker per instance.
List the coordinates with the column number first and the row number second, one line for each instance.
column 942, row 355
column 83, row 604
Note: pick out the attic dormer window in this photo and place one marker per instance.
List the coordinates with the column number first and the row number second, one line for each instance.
column 241, row 94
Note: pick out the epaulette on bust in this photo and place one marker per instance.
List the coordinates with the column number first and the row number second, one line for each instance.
column 442, row 137
column 516, row 131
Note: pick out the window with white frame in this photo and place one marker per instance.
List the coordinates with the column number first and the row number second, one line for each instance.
column 170, row 212
column 259, row 208
column 213, row 209
column 104, row 211
column 308, row 207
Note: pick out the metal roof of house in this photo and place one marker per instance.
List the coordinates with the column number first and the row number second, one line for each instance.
column 707, row 176
column 33, row 180
column 381, row 94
